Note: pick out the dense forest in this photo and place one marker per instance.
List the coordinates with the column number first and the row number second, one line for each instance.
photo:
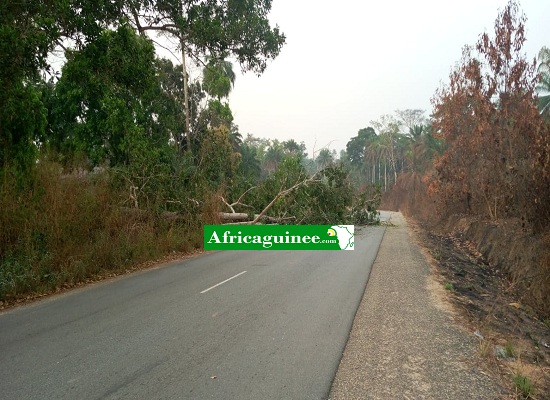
column 115, row 155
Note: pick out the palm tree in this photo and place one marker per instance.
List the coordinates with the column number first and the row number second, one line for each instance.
column 218, row 77
column 324, row 159
column 416, row 131
column 422, row 147
column 543, row 86
column 355, row 148
column 273, row 156
column 415, row 152
column 387, row 150
column 235, row 137
column 250, row 165
column 292, row 147
column 389, row 132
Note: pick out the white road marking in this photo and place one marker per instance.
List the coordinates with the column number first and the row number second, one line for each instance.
column 221, row 283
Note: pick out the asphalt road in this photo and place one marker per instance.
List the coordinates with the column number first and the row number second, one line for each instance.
column 276, row 331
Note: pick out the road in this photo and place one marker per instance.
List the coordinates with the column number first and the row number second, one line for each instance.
column 276, row 331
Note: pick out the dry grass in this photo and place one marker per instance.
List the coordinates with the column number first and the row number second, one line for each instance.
column 66, row 229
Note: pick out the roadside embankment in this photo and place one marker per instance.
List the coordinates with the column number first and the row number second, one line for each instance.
column 508, row 246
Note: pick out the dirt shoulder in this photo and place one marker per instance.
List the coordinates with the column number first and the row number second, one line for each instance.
column 405, row 342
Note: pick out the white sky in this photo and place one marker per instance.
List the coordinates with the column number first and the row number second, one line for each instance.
column 346, row 63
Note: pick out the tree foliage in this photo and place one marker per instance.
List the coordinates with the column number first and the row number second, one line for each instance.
column 218, row 78
column 357, row 146
column 105, row 100
column 24, row 46
column 218, row 28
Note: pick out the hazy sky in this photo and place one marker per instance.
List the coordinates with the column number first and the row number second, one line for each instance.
column 347, row 62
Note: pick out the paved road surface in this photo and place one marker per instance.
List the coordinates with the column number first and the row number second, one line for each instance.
column 276, row 331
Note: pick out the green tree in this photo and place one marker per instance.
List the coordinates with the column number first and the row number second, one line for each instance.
column 218, row 78
column 235, row 137
column 24, row 46
column 293, row 148
column 215, row 28
column 355, row 148
column 216, row 114
column 376, row 156
column 250, row 166
column 218, row 162
column 273, row 156
column 389, row 131
column 172, row 110
column 104, row 100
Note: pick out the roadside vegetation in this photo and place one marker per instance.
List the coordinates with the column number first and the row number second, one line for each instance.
column 476, row 177
column 114, row 156
column 480, row 163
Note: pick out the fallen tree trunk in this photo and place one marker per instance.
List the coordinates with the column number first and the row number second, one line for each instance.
column 225, row 217
column 247, row 218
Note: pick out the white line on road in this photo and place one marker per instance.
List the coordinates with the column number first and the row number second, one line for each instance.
column 221, row 283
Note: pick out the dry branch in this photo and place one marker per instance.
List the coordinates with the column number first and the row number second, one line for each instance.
column 238, row 202
column 241, row 218
column 262, row 214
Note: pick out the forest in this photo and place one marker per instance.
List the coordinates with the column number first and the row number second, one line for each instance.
column 117, row 156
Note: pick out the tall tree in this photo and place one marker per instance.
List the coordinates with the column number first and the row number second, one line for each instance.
column 172, row 113
column 24, row 45
column 374, row 154
column 273, row 156
column 250, row 164
column 235, row 137
column 293, row 148
column 411, row 117
column 389, row 130
column 215, row 28
column 421, row 147
column 356, row 146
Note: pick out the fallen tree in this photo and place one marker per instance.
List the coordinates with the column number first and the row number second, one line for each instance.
column 251, row 219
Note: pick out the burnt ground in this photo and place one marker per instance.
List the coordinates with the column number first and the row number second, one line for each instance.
column 513, row 341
